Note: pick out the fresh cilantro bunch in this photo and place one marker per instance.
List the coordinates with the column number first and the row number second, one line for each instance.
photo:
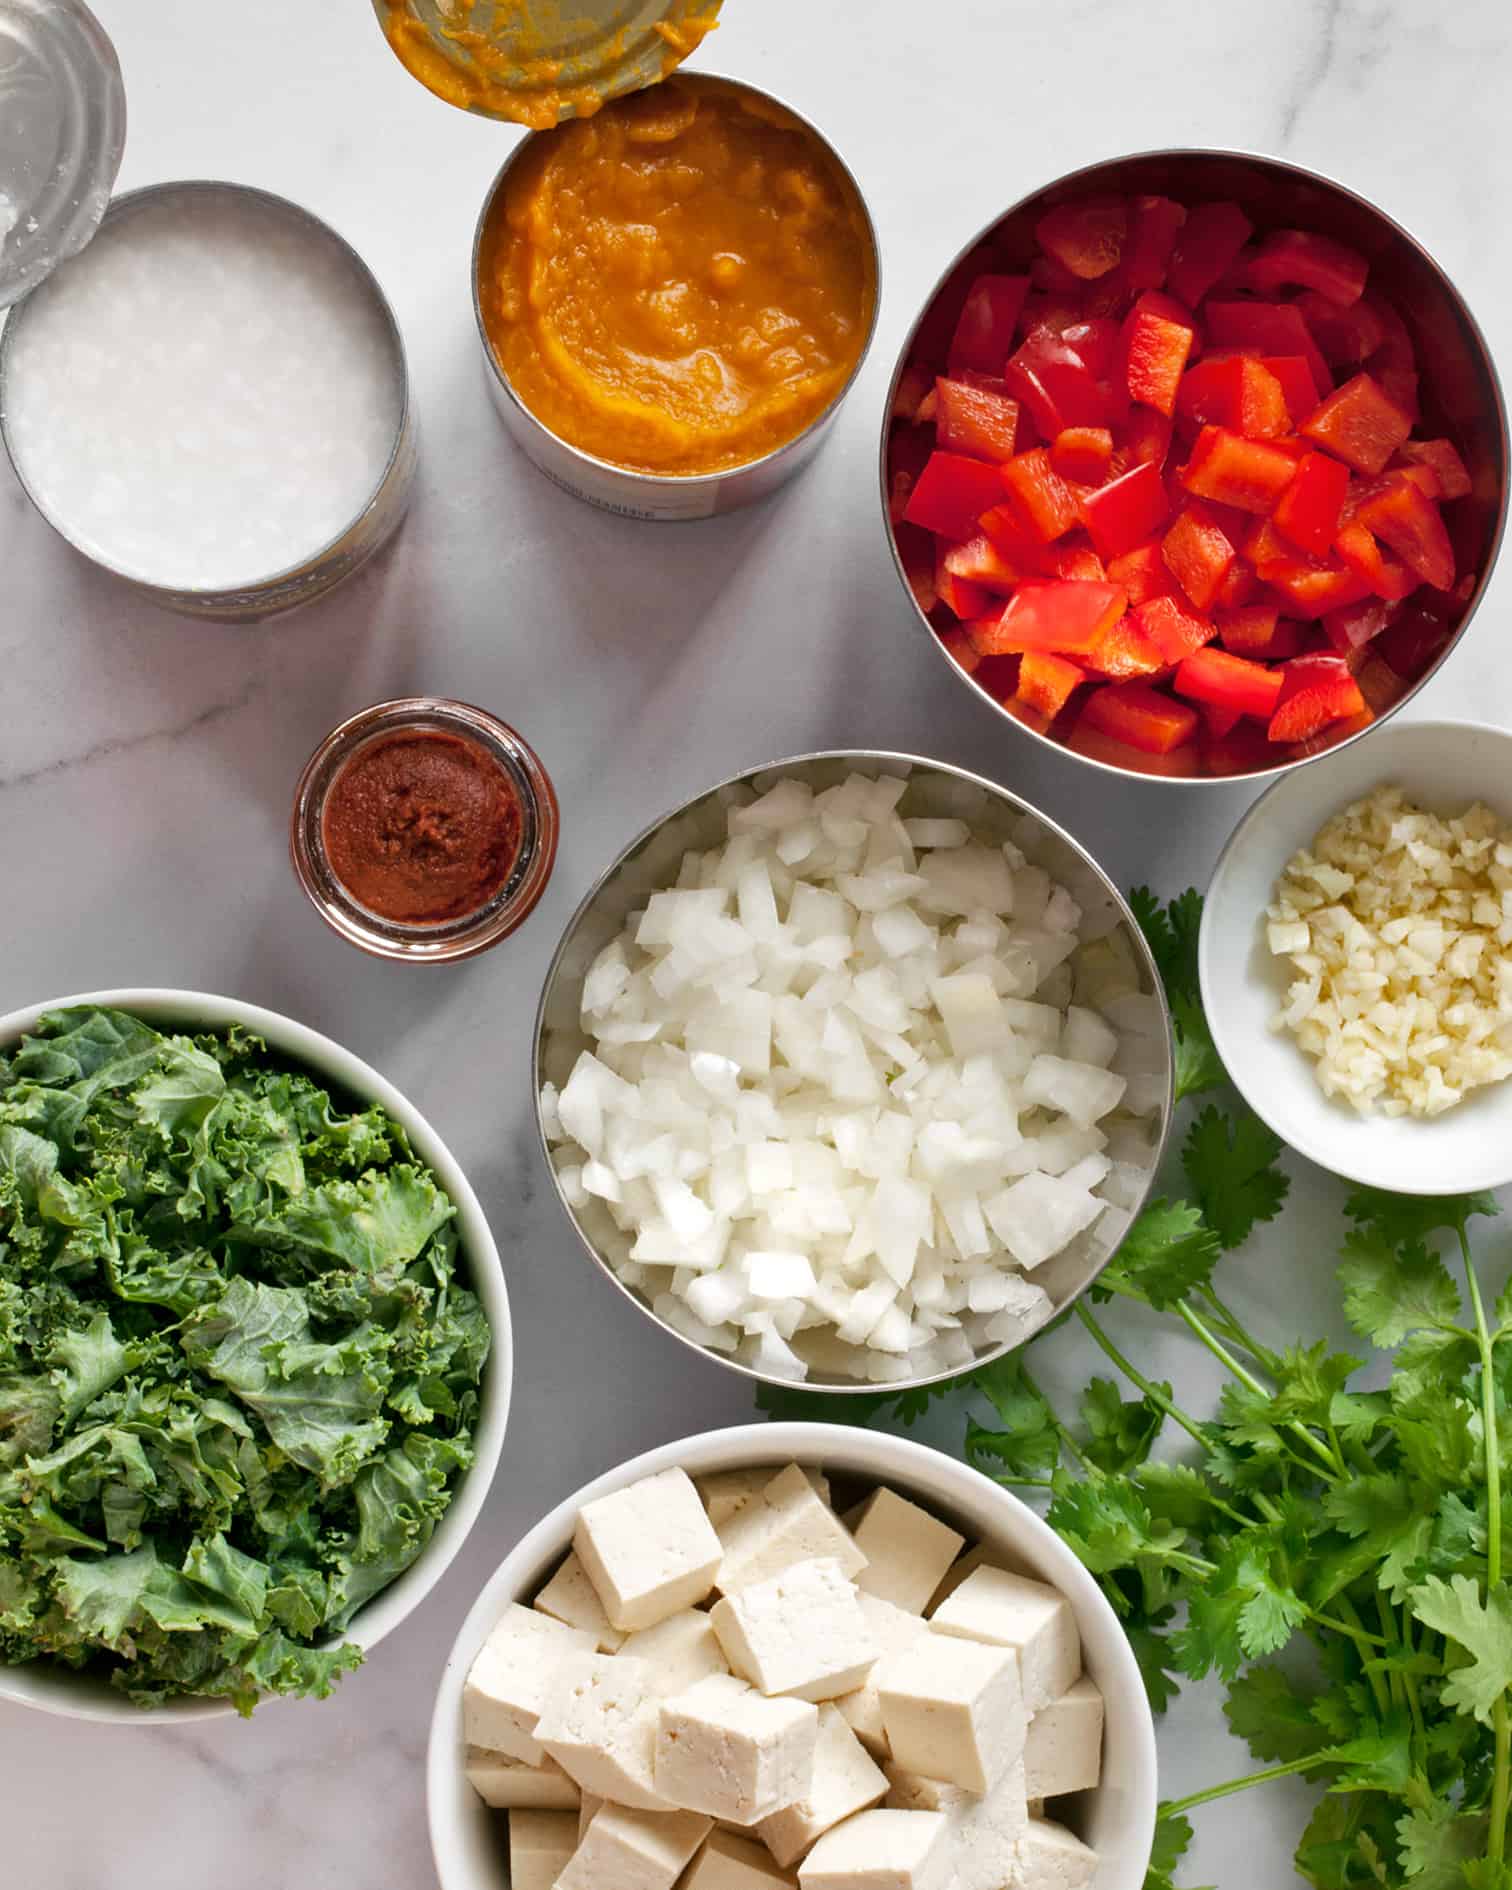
column 1332, row 1541
column 238, row 1370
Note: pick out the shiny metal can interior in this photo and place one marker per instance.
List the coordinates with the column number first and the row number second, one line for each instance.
column 663, row 497
column 367, row 532
column 1461, row 390
column 936, row 789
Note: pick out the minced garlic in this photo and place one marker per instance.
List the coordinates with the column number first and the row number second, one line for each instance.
column 1398, row 925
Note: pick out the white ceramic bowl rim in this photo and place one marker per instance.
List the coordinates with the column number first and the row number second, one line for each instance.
column 61, row 1691
column 1445, row 765
column 943, row 1482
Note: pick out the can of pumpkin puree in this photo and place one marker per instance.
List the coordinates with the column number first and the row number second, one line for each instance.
column 674, row 297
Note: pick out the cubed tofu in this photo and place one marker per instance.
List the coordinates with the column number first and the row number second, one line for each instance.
column 800, row 1633
column 728, row 1862
column 1053, row 1858
column 634, row 1850
column 1063, row 1749
column 881, row 1850
column 986, row 1834
column 726, row 1750
column 726, row 1492
column 506, row 1783
column 680, row 1651
column 907, row 1550
column 953, row 1710
column 1035, row 1620
column 978, row 1556
column 569, row 1596
column 892, row 1629
column 588, row 1809
column 916, row 1791
column 845, row 1781
column 649, row 1549
column 599, row 1724
column 789, row 1524
column 540, row 1844
column 507, row 1683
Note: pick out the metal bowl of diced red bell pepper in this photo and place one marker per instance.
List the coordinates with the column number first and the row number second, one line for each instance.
column 1195, row 465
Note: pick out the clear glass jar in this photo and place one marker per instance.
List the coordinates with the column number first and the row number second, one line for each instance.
column 440, row 941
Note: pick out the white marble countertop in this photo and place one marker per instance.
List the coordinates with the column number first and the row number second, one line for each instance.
column 146, row 762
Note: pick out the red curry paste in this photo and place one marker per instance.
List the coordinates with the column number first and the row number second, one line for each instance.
column 422, row 826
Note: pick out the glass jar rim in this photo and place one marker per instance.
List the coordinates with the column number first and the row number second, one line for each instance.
column 441, row 942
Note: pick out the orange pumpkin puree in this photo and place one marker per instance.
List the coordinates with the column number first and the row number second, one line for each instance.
column 529, row 64
column 683, row 283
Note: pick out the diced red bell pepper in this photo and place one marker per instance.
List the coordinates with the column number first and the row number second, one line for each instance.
column 1124, row 652
column 1198, row 555
column 1399, row 512
column 1050, row 277
column 908, row 451
column 1235, row 391
column 1157, row 339
column 1247, row 474
column 1046, row 502
column 1056, row 385
column 1360, row 425
column 1302, row 259
column 1086, row 237
column 1270, row 327
column 1174, row 630
column 1141, row 572
column 1128, row 510
column 1154, row 224
column 1443, row 456
column 1218, row 722
column 1142, row 717
column 1229, row 682
column 1385, row 575
column 1297, row 383
column 963, row 597
column 1257, row 631
column 960, row 647
column 1397, row 377
column 1308, row 510
column 1244, row 750
column 979, row 562
column 1331, row 736
column 1096, row 341
column 928, row 408
column 1073, row 558
column 1238, row 586
column 1312, row 589
column 1347, row 336
column 1083, row 454
column 975, row 418
column 952, row 493
column 1413, row 641
column 983, row 337
column 1145, row 440
column 1315, row 690
column 1210, row 239
column 916, row 553
column 1354, row 626
column 1065, row 616
column 1047, row 682
column 1180, row 764
column 1015, row 544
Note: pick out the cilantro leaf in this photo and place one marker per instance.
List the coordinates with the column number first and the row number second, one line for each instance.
column 1106, row 1521
column 1264, row 1709
column 1173, row 1837
column 1481, row 1629
column 1241, row 1611
column 1402, row 1218
column 1309, row 1380
column 1121, row 1430
column 1029, row 1443
column 1391, row 1288
column 1384, row 1518
column 1231, row 1162
column 1171, row 933
column 1437, row 1841
column 1157, row 1666
column 1169, row 1251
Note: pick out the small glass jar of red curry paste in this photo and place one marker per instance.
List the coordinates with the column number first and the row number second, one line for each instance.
column 424, row 829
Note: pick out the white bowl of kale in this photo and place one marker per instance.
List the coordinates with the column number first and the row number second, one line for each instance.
column 255, row 1356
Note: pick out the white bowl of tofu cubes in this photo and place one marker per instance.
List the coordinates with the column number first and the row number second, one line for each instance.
column 853, row 1070
column 792, row 1657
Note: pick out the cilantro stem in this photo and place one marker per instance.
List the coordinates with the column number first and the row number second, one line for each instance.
column 1334, row 1465
column 1238, row 1334
column 1136, row 1378
column 1230, row 1786
column 1501, row 1776
column 1358, row 1633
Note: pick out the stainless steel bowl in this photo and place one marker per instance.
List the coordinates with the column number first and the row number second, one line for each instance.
column 663, row 497
column 936, row 790
column 1461, row 393
column 381, row 513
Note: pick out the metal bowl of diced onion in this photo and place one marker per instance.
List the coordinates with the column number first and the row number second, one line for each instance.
column 691, row 1127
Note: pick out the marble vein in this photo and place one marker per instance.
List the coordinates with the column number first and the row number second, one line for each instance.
column 108, row 750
